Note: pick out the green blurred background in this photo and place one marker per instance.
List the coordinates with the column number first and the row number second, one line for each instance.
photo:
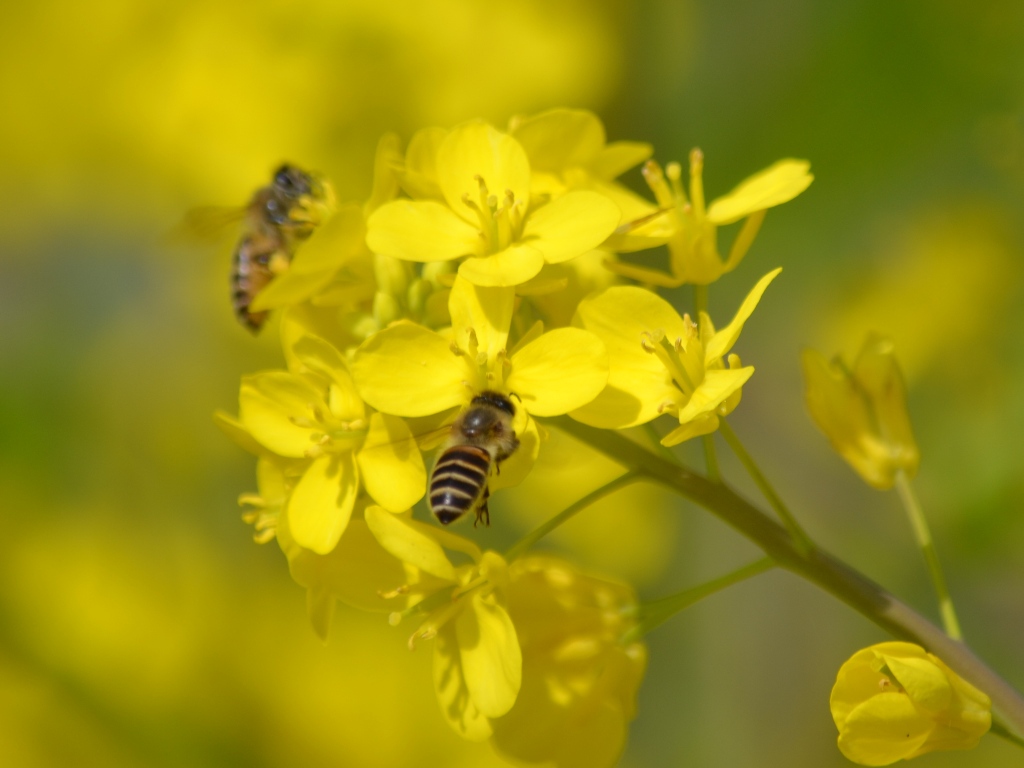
column 140, row 626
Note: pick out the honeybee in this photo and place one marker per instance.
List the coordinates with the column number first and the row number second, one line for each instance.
column 480, row 437
column 277, row 218
column 281, row 214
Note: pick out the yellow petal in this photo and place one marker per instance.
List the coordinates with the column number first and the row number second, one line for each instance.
column 420, row 231
column 410, row 542
column 489, row 649
column 512, row 266
column 487, row 311
column 925, row 683
column 387, row 364
column 704, row 424
column 267, row 404
column 474, row 150
column 235, row 430
column 316, row 355
column 884, row 729
column 620, row 403
column 321, row 503
column 420, row 176
column 562, row 370
column 718, row 385
column 722, row 341
column 570, row 225
column 618, row 157
column 290, row 288
column 386, row 164
column 638, row 384
column 356, row 571
column 775, row 185
column 390, row 464
column 457, row 705
column 333, row 243
column 560, row 138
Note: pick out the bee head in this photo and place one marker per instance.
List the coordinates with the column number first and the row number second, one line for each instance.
column 489, row 416
column 495, row 400
column 291, row 181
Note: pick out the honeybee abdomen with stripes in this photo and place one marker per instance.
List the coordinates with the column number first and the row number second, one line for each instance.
column 481, row 437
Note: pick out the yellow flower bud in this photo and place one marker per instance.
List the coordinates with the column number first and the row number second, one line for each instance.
column 863, row 411
column 894, row 701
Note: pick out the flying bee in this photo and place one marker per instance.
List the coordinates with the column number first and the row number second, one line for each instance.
column 277, row 218
column 481, row 437
column 280, row 215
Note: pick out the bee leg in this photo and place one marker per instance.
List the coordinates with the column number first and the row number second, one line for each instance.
column 482, row 512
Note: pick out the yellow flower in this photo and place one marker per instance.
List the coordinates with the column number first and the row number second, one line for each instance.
column 863, row 412
column 567, row 150
column 580, row 681
column 691, row 230
column 486, row 212
column 409, row 370
column 894, row 701
column 660, row 362
column 477, row 661
column 316, row 414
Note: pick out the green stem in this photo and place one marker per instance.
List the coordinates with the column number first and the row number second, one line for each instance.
column 999, row 730
column 817, row 566
column 664, row 450
column 657, row 612
column 924, row 540
column 711, row 458
column 803, row 541
column 524, row 544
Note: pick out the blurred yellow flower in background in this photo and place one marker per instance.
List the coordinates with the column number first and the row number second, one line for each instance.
column 863, row 411
column 580, row 680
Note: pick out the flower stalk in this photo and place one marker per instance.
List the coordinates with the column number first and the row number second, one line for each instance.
column 657, row 612
column 800, row 537
column 924, row 540
column 523, row 545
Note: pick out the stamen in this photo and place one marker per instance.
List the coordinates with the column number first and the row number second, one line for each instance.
column 697, row 181
column 393, row 593
column 484, row 193
column 674, row 171
column 656, row 181
column 470, row 204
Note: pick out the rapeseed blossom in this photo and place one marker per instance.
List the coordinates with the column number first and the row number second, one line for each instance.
column 546, row 374
column 663, row 363
column 315, row 415
column 485, row 212
column 477, row 659
column 690, row 228
column 894, row 701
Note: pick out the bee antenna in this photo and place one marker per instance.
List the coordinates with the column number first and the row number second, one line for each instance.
column 517, row 397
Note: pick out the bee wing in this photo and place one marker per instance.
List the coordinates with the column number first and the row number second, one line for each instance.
column 207, row 224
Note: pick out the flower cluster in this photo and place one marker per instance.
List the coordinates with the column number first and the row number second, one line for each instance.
column 486, row 262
